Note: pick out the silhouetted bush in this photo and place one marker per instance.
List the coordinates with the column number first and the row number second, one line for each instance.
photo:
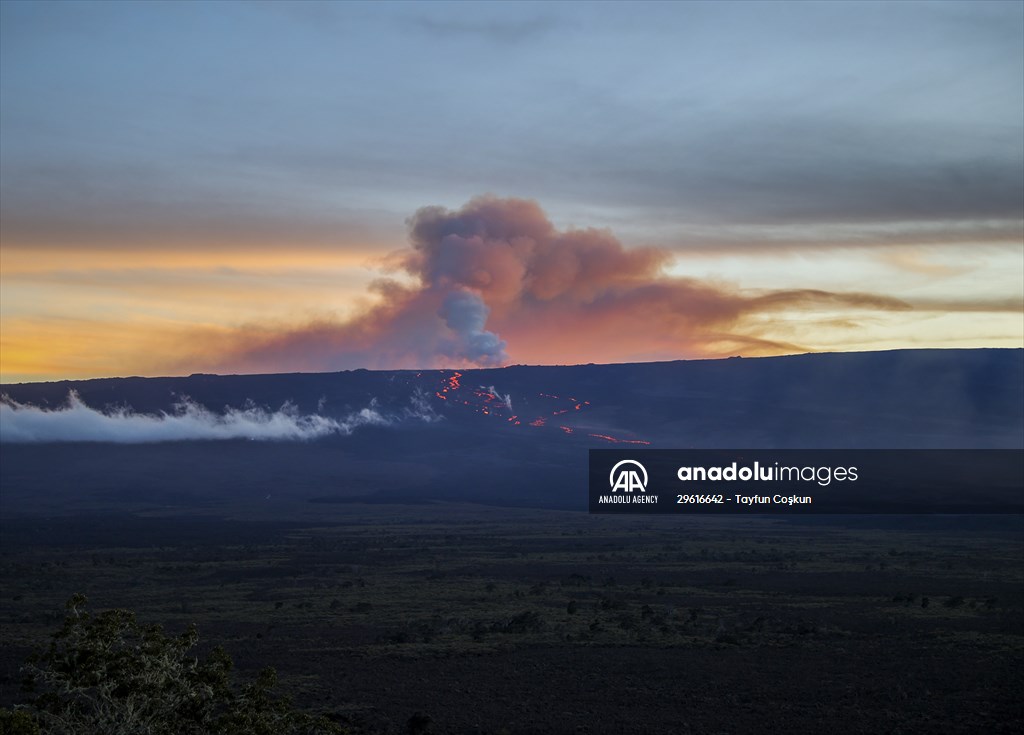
column 106, row 673
column 17, row 723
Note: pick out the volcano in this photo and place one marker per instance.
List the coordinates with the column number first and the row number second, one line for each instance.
column 512, row 436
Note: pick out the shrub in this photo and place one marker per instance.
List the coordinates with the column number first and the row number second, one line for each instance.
column 18, row 722
column 106, row 673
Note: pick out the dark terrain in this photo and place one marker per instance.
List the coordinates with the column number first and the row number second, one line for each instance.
column 445, row 566
column 462, row 612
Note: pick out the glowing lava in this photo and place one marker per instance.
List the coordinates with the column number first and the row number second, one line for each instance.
column 452, row 384
column 613, row 440
column 486, row 401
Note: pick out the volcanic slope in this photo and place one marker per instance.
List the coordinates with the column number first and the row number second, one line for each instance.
column 510, row 436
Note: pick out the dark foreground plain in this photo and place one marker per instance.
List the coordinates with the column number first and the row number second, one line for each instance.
column 521, row 621
column 445, row 566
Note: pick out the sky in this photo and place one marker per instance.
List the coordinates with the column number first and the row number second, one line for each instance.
column 268, row 187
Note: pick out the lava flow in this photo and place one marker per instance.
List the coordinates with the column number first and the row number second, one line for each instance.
column 613, row 440
column 486, row 401
column 451, row 384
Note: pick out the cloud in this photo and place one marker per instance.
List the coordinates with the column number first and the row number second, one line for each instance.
column 495, row 281
column 893, row 239
column 1012, row 305
column 21, row 423
column 806, row 168
column 684, row 113
column 492, row 30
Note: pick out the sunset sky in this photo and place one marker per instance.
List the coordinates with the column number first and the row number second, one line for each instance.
column 270, row 187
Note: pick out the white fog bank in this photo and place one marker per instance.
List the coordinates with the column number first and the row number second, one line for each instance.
column 77, row 422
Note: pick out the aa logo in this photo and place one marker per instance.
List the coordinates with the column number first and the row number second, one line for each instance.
column 628, row 476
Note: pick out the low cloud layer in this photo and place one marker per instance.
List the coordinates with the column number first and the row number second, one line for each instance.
column 21, row 423
column 495, row 282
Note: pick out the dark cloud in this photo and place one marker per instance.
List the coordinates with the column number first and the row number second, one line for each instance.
column 56, row 204
column 681, row 113
column 762, row 165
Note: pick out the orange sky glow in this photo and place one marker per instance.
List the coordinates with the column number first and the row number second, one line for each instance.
column 81, row 313
column 505, row 183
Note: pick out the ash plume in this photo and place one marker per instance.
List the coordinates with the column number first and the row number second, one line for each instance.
column 465, row 313
column 495, row 281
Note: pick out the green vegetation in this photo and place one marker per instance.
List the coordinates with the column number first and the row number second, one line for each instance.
column 106, row 673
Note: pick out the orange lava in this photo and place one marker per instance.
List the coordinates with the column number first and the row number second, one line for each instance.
column 613, row 440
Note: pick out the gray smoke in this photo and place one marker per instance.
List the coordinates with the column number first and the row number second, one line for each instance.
column 465, row 313
column 420, row 408
column 504, row 398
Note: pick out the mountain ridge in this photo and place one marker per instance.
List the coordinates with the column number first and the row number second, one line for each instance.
column 464, row 369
